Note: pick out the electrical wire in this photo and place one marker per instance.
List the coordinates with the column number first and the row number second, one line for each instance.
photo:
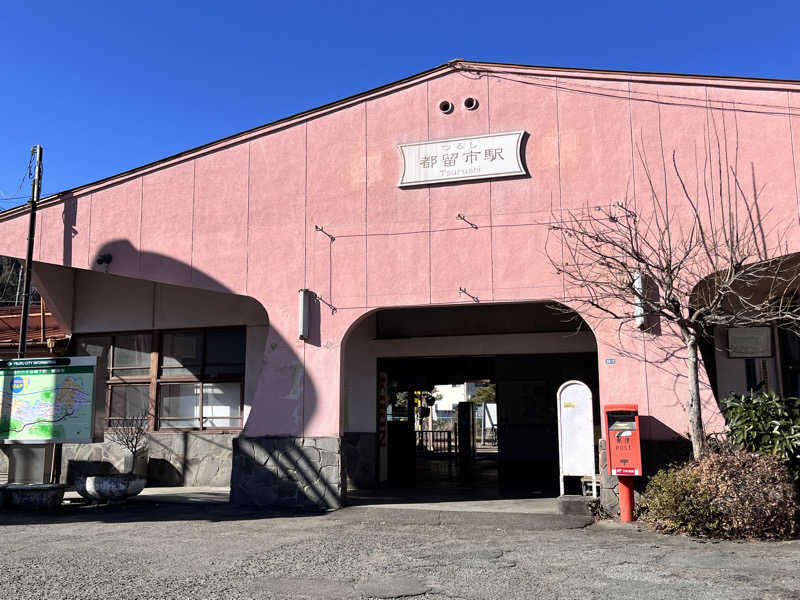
column 610, row 92
column 27, row 175
column 5, row 198
column 25, row 197
column 492, row 226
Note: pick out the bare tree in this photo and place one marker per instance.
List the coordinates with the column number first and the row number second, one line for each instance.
column 679, row 267
column 130, row 433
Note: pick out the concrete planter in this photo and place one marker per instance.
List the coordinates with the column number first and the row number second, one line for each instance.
column 109, row 488
column 138, row 465
column 38, row 496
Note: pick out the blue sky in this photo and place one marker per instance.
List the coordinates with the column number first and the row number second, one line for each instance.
column 107, row 86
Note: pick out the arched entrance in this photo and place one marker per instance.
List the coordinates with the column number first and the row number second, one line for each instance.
column 414, row 378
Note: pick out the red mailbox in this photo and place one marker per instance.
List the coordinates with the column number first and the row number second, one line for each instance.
column 624, row 452
column 622, row 439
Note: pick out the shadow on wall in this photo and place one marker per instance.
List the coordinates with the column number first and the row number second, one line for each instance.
column 284, row 469
column 662, row 445
column 125, row 259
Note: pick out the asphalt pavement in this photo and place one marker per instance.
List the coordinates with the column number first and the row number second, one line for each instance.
column 210, row 550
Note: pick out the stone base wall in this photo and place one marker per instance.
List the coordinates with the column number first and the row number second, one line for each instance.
column 359, row 458
column 3, row 468
column 173, row 459
column 656, row 455
column 298, row 473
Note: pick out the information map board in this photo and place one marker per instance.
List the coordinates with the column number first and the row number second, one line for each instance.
column 47, row 400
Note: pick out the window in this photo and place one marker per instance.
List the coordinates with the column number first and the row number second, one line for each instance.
column 126, row 402
column 182, row 353
column 180, row 405
column 206, row 405
column 130, row 355
column 186, row 379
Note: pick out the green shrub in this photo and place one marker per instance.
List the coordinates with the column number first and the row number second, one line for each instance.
column 767, row 423
column 675, row 502
column 734, row 494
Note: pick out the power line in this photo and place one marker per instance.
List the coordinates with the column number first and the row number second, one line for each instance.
column 5, row 199
column 619, row 94
column 28, row 174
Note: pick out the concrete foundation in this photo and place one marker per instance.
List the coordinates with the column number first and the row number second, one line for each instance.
column 574, row 505
column 298, row 473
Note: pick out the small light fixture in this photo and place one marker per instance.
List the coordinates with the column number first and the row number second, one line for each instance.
column 470, row 103
column 304, row 313
column 104, row 259
column 446, row 106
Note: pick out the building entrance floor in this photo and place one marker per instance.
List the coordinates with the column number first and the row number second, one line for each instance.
column 530, row 506
column 439, row 484
column 476, row 501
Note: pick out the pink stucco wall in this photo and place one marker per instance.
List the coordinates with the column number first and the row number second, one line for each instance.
column 240, row 216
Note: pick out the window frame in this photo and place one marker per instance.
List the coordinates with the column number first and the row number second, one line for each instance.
column 156, row 378
column 201, row 418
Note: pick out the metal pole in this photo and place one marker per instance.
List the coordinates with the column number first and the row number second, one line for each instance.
column 483, row 424
column 26, row 294
column 41, row 318
column 626, row 498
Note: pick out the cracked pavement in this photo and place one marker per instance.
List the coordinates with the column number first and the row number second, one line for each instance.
column 214, row 551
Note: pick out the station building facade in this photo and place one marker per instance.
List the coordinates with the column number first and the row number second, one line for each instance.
column 182, row 275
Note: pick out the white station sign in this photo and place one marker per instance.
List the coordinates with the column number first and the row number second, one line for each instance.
column 460, row 159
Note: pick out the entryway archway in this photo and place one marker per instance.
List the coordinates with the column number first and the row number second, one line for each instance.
column 400, row 364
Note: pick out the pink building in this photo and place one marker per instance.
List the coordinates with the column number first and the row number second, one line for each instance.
column 193, row 307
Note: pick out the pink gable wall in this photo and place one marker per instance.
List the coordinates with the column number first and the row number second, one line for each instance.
column 242, row 218
column 166, row 253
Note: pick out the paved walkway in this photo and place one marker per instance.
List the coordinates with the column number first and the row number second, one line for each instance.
column 220, row 495
column 174, row 495
column 210, row 550
column 531, row 506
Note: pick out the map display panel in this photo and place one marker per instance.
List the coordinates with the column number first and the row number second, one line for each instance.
column 47, row 400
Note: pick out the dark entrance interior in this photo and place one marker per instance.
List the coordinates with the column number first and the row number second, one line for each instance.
column 518, row 458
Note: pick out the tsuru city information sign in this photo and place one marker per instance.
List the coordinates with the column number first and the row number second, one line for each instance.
column 461, row 159
column 47, row 400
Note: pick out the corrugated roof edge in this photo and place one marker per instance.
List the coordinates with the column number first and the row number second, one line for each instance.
column 450, row 66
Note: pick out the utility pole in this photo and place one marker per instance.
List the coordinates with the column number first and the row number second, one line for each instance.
column 36, row 192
